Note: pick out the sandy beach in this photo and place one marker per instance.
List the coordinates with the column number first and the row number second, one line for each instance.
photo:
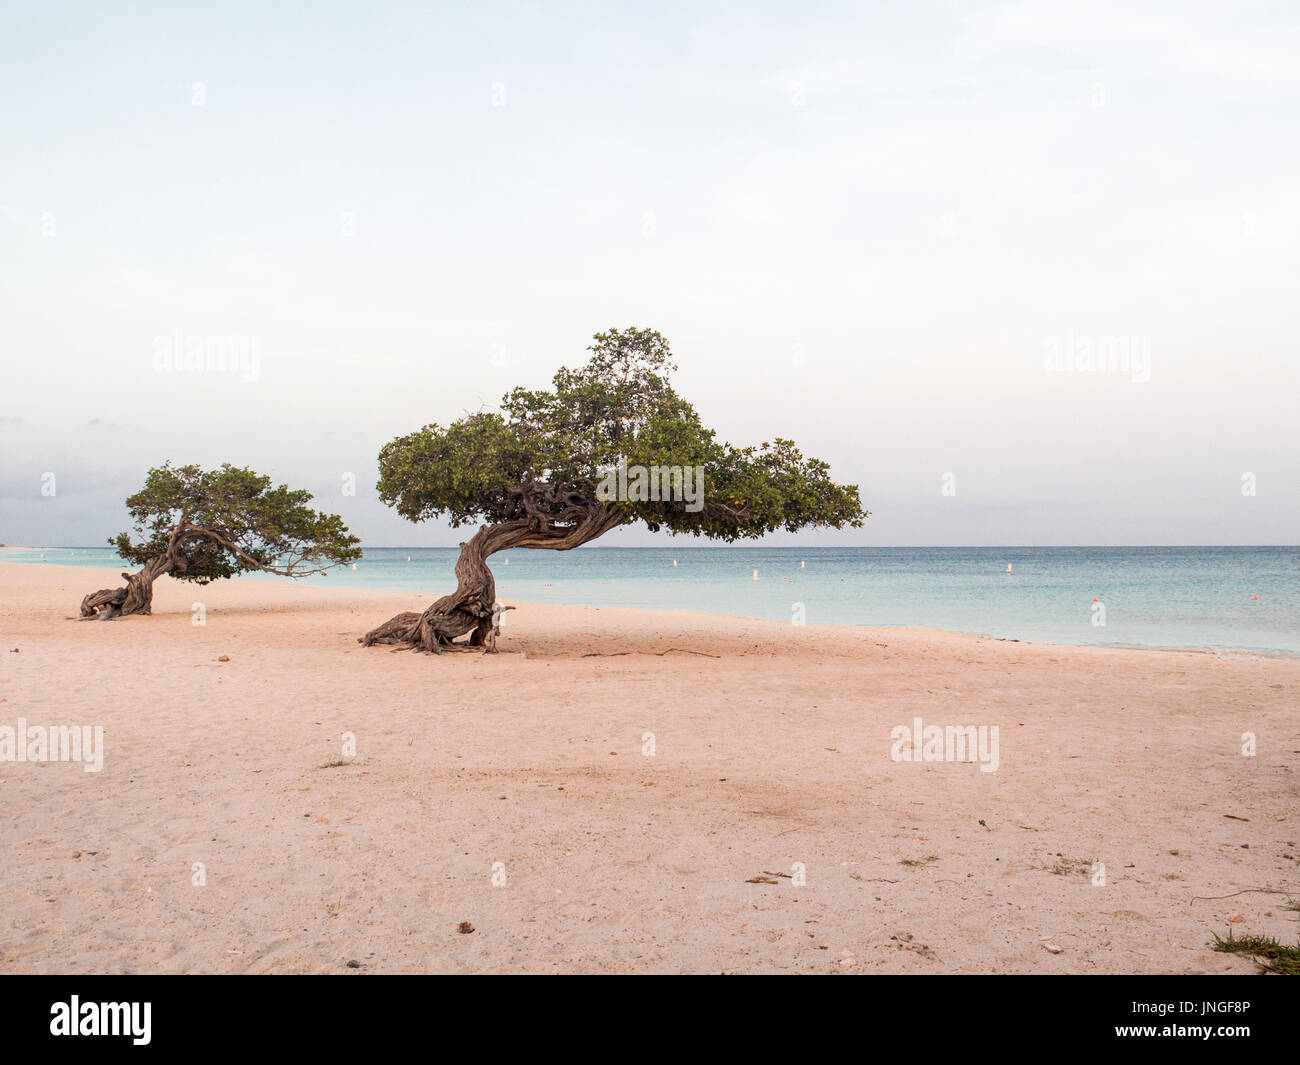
column 771, row 763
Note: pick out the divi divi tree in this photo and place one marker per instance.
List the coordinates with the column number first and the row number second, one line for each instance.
column 202, row 525
column 610, row 444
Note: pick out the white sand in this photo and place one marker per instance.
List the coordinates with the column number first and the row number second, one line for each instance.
column 775, row 752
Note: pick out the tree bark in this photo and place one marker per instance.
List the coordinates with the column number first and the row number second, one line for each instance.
column 472, row 608
column 135, row 598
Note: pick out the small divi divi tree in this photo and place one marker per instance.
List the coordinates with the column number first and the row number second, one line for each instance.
column 201, row 525
column 609, row 445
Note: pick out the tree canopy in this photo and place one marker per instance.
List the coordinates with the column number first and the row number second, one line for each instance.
column 618, row 408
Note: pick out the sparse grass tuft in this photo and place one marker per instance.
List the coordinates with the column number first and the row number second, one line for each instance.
column 1073, row 867
column 334, row 764
column 1271, row 955
column 916, row 863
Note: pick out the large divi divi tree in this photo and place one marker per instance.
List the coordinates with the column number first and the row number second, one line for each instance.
column 610, row 444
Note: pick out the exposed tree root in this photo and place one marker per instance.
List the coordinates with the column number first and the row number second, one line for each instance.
column 472, row 609
column 135, row 598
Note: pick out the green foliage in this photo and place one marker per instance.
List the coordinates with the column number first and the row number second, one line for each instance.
column 218, row 523
column 619, row 407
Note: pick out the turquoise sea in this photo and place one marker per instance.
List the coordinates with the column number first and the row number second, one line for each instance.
column 1152, row 596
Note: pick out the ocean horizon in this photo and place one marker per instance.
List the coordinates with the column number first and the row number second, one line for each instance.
column 1234, row 598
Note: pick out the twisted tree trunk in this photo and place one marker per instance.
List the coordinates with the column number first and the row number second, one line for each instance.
column 135, row 598
column 472, row 608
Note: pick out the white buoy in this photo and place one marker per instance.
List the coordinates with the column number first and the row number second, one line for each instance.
column 1008, row 567
column 505, row 561
column 408, row 558
column 801, row 565
column 354, row 565
column 674, row 562
column 755, row 574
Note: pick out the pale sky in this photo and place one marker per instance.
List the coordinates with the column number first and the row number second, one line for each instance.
column 861, row 226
